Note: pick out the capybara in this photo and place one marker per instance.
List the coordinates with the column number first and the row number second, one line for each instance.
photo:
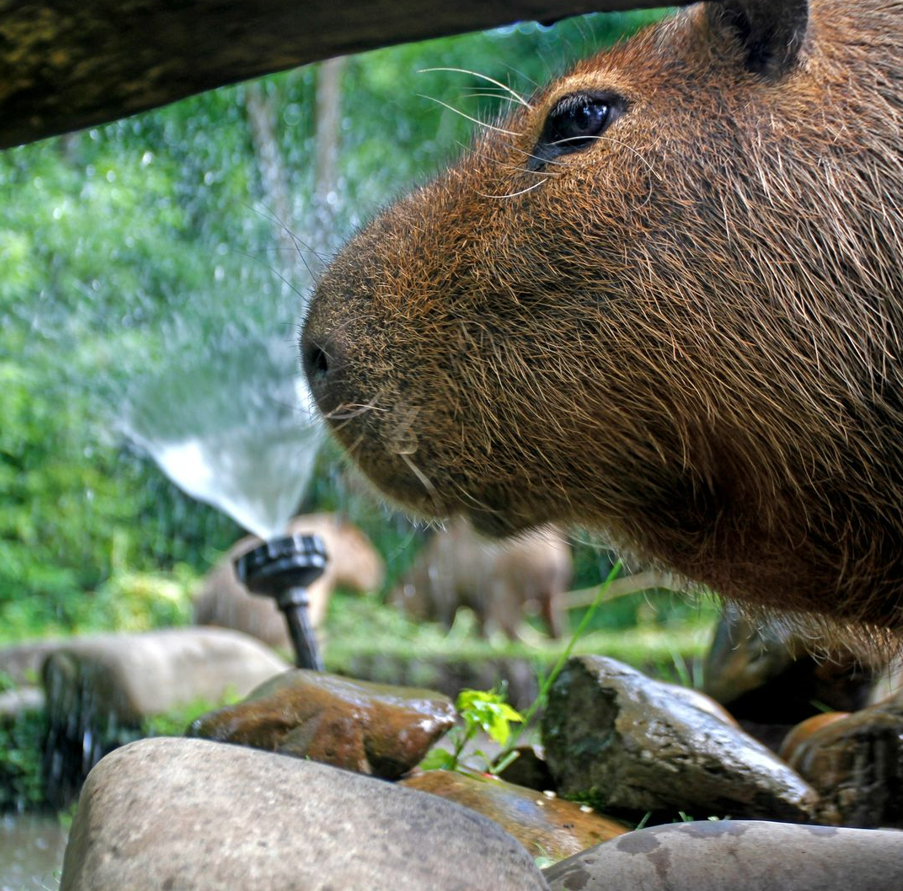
column 662, row 299
column 353, row 563
column 495, row 579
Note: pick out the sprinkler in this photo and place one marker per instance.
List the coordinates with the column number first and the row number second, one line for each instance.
column 282, row 568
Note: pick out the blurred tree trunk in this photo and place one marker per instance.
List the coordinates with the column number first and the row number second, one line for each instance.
column 328, row 139
column 263, row 116
column 301, row 240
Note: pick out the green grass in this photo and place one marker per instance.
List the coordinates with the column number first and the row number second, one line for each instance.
column 359, row 628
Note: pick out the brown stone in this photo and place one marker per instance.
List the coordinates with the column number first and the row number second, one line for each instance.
column 804, row 731
column 369, row 728
column 856, row 766
column 547, row 826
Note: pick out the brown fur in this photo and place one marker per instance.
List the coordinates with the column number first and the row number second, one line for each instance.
column 353, row 563
column 687, row 336
column 497, row 580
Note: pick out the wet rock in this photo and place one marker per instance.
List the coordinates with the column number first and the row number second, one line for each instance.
column 529, row 769
column 545, row 825
column 766, row 676
column 856, row 765
column 192, row 815
column 369, row 728
column 100, row 689
column 621, row 740
column 743, row 855
column 804, row 730
column 353, row 563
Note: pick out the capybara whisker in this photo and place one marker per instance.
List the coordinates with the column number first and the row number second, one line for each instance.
column 514, row 194
column 515, row 96
column 477, row 121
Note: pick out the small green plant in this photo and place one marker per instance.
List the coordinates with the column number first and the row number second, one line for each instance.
column 546, row 683
column 488, row 710
column 484, row 710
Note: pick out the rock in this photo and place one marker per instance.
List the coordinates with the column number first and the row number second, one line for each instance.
column 621, row 740
column 21, row 663
column 369, row 728
column 100, row 689
column 856, row 766
column 804, row 730
column 742, row 855
column 765, row 674
column 192, row 815
column 545, row 825
column 529, row 769
column 353, row 563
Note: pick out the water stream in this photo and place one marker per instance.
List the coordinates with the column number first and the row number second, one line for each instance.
column 236, row 431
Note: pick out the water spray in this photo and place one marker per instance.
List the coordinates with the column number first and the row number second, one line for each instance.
column 283, row 568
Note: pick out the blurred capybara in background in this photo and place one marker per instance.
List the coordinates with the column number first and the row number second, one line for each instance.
column 353, row 563
column 663, row 299
column 498, row 580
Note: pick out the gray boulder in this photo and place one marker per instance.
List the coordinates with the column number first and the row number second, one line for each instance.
column 618, row 739
column 133, row 676
column 742, row 855
column 192, row 815
column 101, row 689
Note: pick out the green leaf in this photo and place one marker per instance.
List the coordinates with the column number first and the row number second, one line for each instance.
column 438, row 759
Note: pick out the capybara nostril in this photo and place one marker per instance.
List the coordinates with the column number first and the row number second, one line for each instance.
column 316, row 362
column 322, row 360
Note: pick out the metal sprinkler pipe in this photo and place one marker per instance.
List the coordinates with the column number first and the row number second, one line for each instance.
column 283, row 568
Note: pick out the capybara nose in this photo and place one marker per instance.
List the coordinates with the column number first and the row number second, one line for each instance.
column 323, row 365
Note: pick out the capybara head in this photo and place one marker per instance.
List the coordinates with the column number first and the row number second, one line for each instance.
column 662, row 299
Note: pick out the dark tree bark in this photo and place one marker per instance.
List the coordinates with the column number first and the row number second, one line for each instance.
column 69, row 64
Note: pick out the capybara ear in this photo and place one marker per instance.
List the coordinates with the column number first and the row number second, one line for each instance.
column 772, row 31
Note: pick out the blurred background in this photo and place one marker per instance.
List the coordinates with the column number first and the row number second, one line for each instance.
column 152, row 277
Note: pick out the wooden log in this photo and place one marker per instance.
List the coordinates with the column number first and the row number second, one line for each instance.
column 70, row 64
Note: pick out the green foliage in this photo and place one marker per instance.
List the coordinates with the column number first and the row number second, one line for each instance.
column 484, row 710
column 21, row 749
column 140, row 601
column 176, row 722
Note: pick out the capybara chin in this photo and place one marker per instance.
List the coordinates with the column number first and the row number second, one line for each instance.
column 662, row 299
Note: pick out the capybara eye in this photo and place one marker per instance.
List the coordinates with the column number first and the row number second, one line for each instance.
column 574, row 124
column 576, row 120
